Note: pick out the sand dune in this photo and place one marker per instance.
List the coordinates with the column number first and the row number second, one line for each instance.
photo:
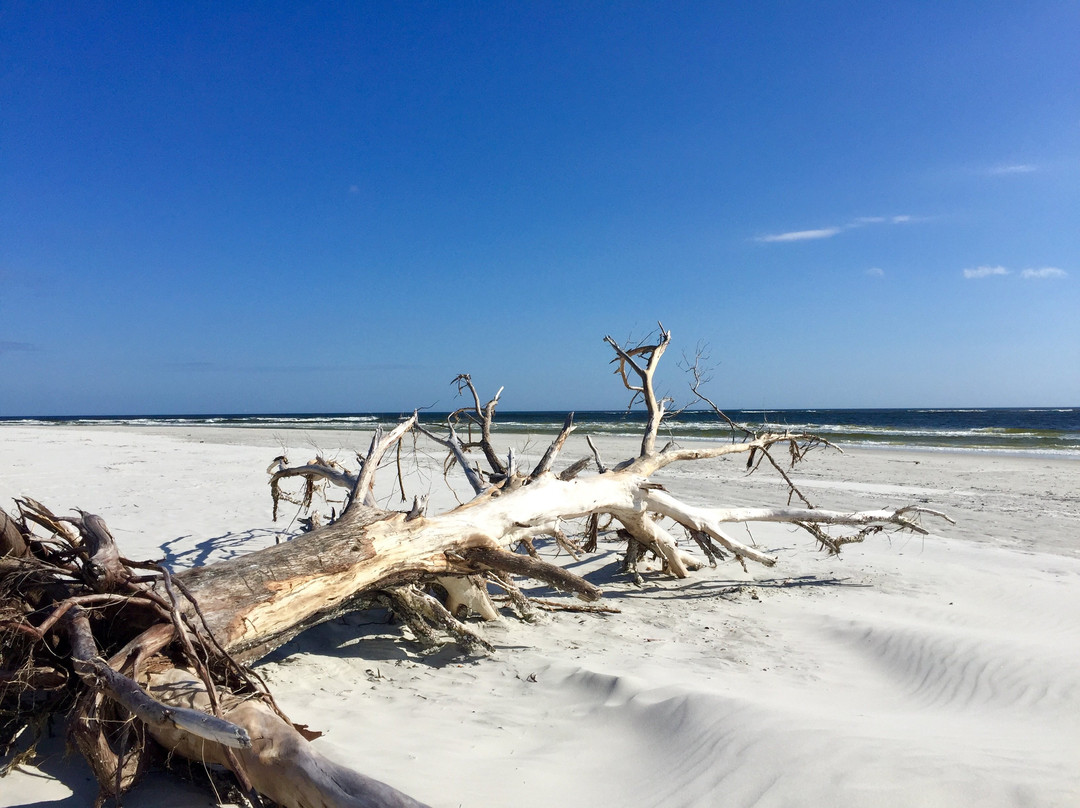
column 937, row 671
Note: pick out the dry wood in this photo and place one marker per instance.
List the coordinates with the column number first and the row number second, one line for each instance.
column 174, row 666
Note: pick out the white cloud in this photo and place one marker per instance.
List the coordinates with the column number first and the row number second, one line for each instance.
column 1045, row 272
column 829, row 232
column 1017, row 168
column 801, row 235
column 865, row 220
column 876, row 272
column 985, row 272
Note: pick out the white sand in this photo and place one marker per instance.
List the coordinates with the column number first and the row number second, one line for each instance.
column 913, row 671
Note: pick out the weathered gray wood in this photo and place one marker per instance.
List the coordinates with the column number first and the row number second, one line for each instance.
column 11, row 538
column 98, row 674
column 279, row 763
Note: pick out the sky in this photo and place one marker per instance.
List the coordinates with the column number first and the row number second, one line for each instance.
column 215, row 207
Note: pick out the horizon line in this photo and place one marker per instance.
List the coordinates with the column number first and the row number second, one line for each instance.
column 561, row 412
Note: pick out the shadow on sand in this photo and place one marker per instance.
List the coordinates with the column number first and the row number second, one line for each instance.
column 182, row 552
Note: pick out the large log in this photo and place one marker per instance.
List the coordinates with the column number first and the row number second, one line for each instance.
column 176, row 661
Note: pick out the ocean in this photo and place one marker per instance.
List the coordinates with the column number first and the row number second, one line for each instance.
column 1015, row 430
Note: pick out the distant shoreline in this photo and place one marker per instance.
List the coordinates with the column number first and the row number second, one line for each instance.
column 441, row 414
column 1028, row 430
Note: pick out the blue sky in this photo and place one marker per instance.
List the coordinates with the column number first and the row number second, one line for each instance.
column 211, row 207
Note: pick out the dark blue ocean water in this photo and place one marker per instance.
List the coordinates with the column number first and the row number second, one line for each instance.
column 1055, row 430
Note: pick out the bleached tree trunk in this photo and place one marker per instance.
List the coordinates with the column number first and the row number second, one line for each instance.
column 177, row 661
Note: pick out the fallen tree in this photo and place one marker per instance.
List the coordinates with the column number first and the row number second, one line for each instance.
column 140, row 657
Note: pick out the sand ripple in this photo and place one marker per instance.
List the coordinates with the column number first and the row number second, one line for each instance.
column 946, row 668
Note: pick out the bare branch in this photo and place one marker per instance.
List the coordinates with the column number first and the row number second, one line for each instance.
column 596, row 455
column 574, row 469
column 484, row 416
column 379, row 447
column 335, row 476
column 654, row 407
column 92, row 668
column 500, row 560
column 544, row 466
column 479, row 486
column 699, row 380
column 423, row 607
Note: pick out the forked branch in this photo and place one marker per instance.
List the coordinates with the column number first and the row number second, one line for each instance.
column 627, row 360
column 482, row 416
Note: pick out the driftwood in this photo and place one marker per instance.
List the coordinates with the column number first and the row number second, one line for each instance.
column 138, row 656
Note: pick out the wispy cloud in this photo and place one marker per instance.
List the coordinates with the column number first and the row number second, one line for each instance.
column 985, row 272
column 16, row 347
column 829, row 232
column 876, row 272
column 1027, row 274
column 863, row 220
column 801, row 235
column 1044, row 272
column 1012, row 168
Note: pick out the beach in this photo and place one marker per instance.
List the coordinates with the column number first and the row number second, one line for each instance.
column 938, row 670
